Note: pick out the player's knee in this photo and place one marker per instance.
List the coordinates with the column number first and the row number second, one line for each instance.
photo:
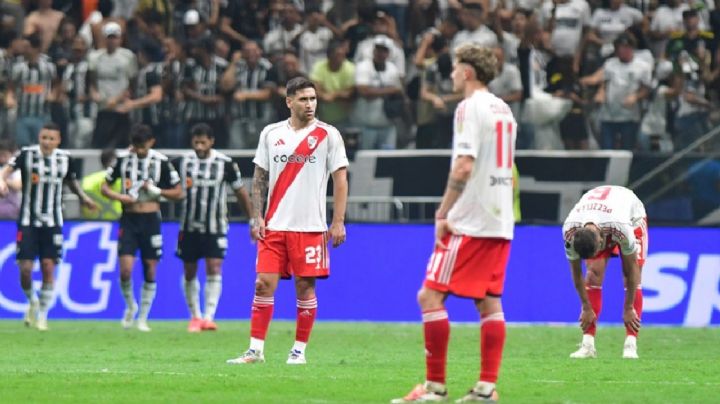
column 594, row 278
column 262, row 287
column 428, row 299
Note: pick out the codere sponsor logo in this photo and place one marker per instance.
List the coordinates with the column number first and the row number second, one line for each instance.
column 295, row 158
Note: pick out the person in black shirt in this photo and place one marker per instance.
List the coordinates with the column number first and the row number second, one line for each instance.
column 44, row 169
column 145, row 175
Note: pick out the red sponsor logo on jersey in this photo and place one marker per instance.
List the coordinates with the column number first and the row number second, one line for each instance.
column 188, row 182
column 280, row 142
column 35, row 178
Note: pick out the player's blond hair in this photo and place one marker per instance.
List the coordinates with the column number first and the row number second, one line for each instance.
column 482, row 60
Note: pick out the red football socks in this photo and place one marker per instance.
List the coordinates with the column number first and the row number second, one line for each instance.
column 306, row 311
column 262, row 311
column 437, row 335
column 492, row 341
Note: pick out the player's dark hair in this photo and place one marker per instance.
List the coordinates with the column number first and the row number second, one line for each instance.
column 51, row 126
column 107, row 156
column 690, row 13
column 585, row 243
column 202, row 129
column 139, row 134
column 298, row 83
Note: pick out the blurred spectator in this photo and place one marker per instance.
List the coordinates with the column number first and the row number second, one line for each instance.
column 334, row 78
column 313, row 41
column 43, row 21
column 92, row 28
column 360, row 27
column 609, row 21
column 147, row 94
column 284, row 37
column 250, row 78
column 668, row 19
column 161, row 8
column 9, row 203
column 222, row 48
column 691, row 121
column 286, row 69
column 112, row 73
column 654, row 130
column 397, row 9
column 205, row 98
column 75, row 88
column 383, row 28
column 172, row 106
column 15, row 13
column 564, row 83
column 195, row 27
column 438, row 102
column 424, row 15
column 626, row 81
column 107, row 209
column 377, row 80
column 61, row 49
column 474, row 28
column 511, row 40
column 507, row 84
column 243, row 20
column 695, row 42
column 31, row 88
column 566, row 21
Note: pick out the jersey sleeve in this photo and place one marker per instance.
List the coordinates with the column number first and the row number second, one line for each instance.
column 568, row 233
column 73, row 172
column 337, row 158
column 262, row 159
column 233, row 176
column 168, row 175
column 624, row 236
column 466, row 130
column 18, row 160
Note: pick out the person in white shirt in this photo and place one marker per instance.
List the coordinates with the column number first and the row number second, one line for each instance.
column 607, row 221
column 473, row 228
column 283, row 37
column 293, row 162
column 475, row 32
column 608, row 23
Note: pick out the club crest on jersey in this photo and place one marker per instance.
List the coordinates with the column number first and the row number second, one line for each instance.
column 312, row 141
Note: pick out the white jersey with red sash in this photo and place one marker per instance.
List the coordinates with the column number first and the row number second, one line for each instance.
column 299, row 165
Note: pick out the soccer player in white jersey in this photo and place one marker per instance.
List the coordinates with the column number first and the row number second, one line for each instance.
column 293, row 162
column 473, row 228
column 607, row 221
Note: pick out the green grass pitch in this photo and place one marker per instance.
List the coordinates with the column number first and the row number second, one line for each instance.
column 79, row 361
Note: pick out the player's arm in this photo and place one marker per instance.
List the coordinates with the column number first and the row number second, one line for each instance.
column 243, row 199
column 459, row 174
column 4, row 174
column 340, row 195
column 259, row 198
column 587, row 315
column 106, row 187
column 631, row 271
column 71, row 179
column 169, row 186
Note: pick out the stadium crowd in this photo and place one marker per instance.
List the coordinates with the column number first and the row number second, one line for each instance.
column 611, row 74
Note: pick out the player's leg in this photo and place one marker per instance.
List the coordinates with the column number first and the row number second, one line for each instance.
column 306, row 313
column 595, row 274
column 272, row 260
column 151, row 243
column 215, row 247
column 630, row 345
column 492, row 342
column 187, row 252
column 213, row 290
column 27, row 251
column 127, row 247
column 50, row 249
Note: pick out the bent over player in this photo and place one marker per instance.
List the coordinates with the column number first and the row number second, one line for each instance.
column 293, row 162
column 145, row 175
column 473, row 228
column 607, row 221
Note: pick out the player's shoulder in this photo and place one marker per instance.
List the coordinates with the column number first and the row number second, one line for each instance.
column 327, row 127
column 273, row 127
column 63, row 153
column 222, row 156
column 154, row 154
column 122, row 154
column 30, row 149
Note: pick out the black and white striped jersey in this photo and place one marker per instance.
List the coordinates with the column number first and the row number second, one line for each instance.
column 33, row 83
column 42, row 185
column 75, row 81
column 148, row 78
column 205, row 183
column 206, row 82
column 133, row 172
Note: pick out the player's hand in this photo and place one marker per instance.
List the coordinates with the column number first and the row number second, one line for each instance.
column 337, row 233
column 631, row 319
column 126, row 199
column 587, row 318
column 442, row 228
column 89, row 203
column 257, row 229
column 3, row 188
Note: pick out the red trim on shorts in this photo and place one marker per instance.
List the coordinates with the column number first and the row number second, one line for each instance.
column 291, row 171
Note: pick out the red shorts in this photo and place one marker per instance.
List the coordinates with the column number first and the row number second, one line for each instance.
column 470, row 267
column 641, row 239
column 291, row 253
